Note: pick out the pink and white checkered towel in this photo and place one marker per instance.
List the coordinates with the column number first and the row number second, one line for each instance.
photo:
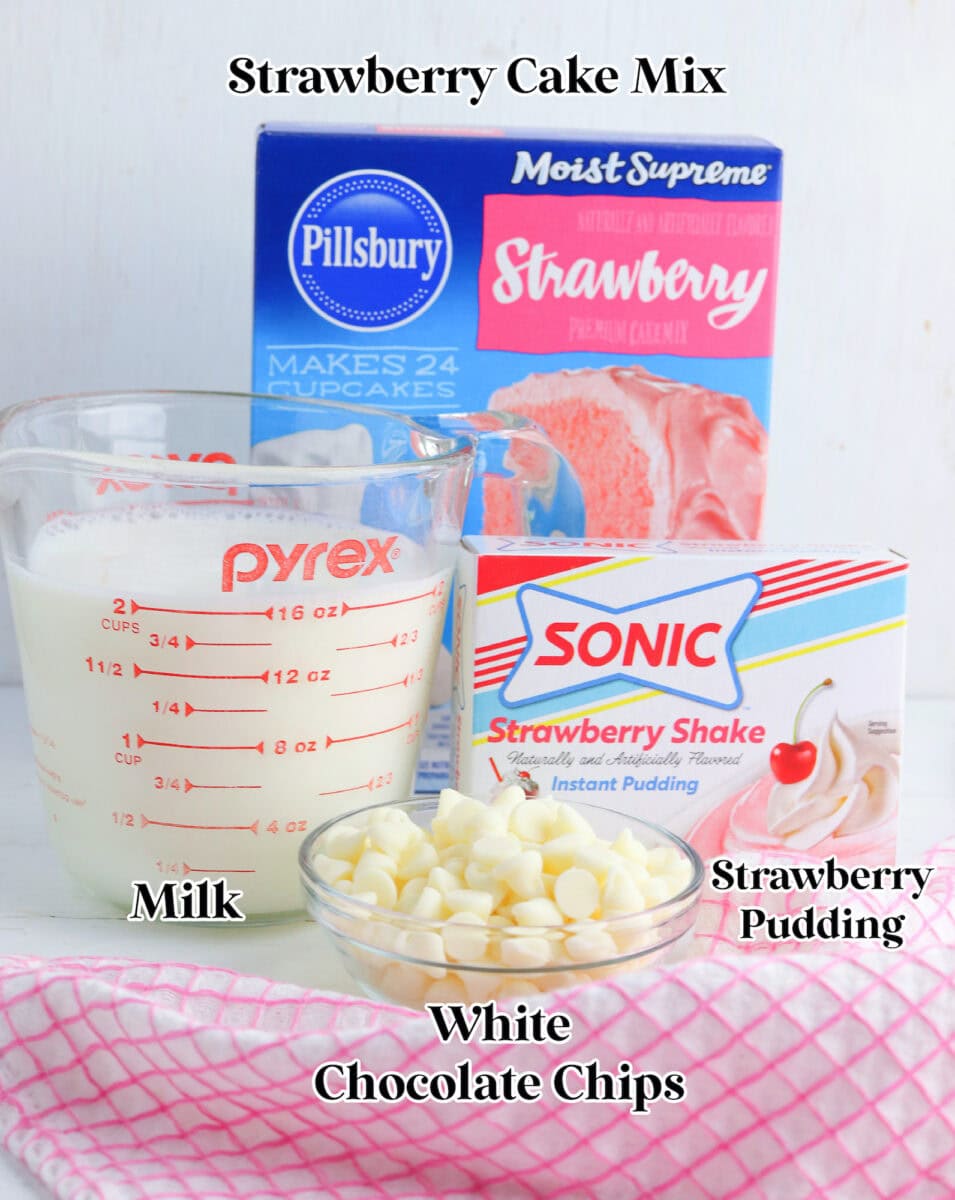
column 807, row 1075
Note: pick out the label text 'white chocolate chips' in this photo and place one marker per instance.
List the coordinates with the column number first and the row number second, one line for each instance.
column 571, row 1082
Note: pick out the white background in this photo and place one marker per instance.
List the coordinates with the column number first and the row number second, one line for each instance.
column 127, row 209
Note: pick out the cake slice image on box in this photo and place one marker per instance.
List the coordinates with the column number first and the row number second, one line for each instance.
column 655, row 457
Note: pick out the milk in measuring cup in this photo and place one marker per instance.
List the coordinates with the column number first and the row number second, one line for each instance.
column 206, row 683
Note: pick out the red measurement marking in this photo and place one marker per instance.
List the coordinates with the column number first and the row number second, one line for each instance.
column 359, row 787
column 253, row 828
column 137, row 671
column 191, row 642
column 380, row 688
column 392, row 641
column 329, row 741
column 189, row 786
column 61, row 795
column 187, row 870
column 346, row 607
column 201, row 612
column 141, row 741
column 190, row 710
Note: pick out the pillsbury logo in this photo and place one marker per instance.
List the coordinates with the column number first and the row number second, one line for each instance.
column 369, row 250
column 681, row 643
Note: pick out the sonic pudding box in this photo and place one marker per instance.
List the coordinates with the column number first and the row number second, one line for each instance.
column 616, row 289
column 748, row 697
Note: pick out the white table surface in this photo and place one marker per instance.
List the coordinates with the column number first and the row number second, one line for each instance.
column 42, row 913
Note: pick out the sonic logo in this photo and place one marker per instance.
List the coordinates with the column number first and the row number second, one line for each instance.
column 680, row 643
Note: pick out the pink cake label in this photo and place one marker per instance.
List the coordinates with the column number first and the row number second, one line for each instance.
column 629, row 275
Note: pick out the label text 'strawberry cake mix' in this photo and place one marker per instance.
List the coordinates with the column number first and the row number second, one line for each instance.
column 748, row 697
column 618, row 290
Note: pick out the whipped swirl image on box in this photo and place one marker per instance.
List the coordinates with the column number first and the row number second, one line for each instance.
column 748, row 697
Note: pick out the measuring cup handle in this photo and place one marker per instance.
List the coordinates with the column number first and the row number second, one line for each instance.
column 523, row 484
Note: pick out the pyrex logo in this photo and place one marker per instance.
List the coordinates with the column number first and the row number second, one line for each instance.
column 680, row 643
column 369, row 250
column 245, row 562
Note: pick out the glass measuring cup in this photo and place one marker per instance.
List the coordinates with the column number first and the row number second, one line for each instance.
column 226, row 640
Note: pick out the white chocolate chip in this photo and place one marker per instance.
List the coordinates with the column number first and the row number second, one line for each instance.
column 418, row 859
column 638, row 873
column 532, row 820
column 448, row 799
column 620, row 893
column 374, row 859
column 442, row 880
column 597, row 859
column 480, row 985
column 455, row 865
column 492, row 849
column 509, row 797
column 408, row 896
column 484, row 880
column 331, row 869
column 467, row 900
column 569, row 820
column 390, row 837
column 402, row 983
column 540, row 911
column 429, row 905
column 577, row 893
column 440, row 836
column 627, row 846
column 466, row 819
column 426, row 946
column 525, row 953
column 559, row 853
column 522, row 874
column 466, row 937
column 592, row 945
column 374, row 880
column 384, row 936
column 344, row 841
column 662, row 859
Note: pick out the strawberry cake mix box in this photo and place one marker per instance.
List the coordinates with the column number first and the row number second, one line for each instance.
column 617, row 289
column 748, row 697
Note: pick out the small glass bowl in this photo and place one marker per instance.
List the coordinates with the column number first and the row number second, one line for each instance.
column 367, row 937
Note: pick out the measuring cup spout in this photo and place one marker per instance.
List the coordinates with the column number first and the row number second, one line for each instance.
column 16, row 468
